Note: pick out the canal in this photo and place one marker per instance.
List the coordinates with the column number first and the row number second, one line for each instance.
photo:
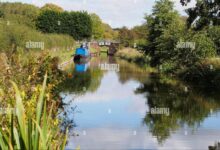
column 112, row 104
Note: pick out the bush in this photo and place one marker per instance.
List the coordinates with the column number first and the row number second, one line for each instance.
column 214, row 34
column 204, row 48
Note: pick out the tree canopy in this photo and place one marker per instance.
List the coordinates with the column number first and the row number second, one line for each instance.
column 50, row 6
column 76, row 24
column 205, row 13
column 97, row 27
column 163, row 15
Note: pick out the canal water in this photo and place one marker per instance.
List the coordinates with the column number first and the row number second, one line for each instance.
column 111, row 104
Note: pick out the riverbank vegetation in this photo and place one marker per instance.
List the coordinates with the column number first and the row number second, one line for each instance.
column 132, row 55
column 31, row 130
column 182, row 46
column 34, row 41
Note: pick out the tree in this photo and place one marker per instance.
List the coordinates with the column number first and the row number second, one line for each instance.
column 214, row 34
column 109, row 33
column 141, row 31
column 76, row 24
column 97, row 27
column 47, row 21
column 166, row 51
column 126, row 37
column 140, row 36
column 50, row 6
column 163, row 15
column 205, row 12
column 20, row 13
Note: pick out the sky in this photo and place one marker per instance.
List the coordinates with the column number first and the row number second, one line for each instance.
column 116, row 13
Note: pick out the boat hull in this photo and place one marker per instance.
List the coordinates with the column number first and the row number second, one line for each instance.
column 81, row 59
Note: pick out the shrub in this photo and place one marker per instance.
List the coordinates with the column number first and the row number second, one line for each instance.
column 204, row 48
column 214, row 34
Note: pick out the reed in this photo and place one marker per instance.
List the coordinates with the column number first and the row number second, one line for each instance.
column 27, row 132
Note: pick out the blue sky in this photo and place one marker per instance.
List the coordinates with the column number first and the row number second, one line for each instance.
column 117, row 13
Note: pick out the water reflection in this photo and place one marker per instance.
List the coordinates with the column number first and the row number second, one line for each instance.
column 81, row 67
column 112, row 110
column 187, row 108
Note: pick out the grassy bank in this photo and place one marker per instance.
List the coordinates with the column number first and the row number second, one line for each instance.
column 132, row 55
column 27, row 70
column 17, row 36
column 205, row 73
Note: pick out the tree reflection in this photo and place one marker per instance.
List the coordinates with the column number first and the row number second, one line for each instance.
column 81, row 82
column 186, row 107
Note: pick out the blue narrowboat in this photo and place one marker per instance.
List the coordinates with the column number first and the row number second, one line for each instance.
column 81, row 54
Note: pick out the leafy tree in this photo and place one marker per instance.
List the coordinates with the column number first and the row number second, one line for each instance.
column 126, row 37
column 163, row 15
column 204, row 47
column 109, row 33
column 166, row 51
column 53, row 7
column 47, row 22
column 20, row 13
column 97, row 27
column 205, row 12
column 76, row 24
column 214, row 34
column 141, row 31
column 140, row 35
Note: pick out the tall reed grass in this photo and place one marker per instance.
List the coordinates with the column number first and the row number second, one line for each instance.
column 36, row 132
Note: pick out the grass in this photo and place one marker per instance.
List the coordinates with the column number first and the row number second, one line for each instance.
column 64, row 55
column 132, row 55
column 31, row 133
column 128, row 53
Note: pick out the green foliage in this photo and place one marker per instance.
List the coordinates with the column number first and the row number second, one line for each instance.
column 168, row 44
column 97, row 27
column 18, row 13
column 205, row 47
column 171, row 57
column 140, row 35
column 1, row 14
column 109, row 33
column 126, row 37
column 17, row 36
column 163, row 15
column 28, row 132
column 76, row 24
column 53, row 7
column 214, row 34
column 165, row 49
column 208, row 70
column 185, row 108
column 205, row 12
column 47, row 21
